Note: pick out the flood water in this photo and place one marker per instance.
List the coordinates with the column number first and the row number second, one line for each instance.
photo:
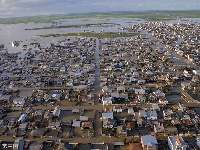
column 17, row 32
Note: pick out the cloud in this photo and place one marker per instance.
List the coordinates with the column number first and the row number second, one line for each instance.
column 13, row 8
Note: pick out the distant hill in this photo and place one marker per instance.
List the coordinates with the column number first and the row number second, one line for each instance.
column 146, row 15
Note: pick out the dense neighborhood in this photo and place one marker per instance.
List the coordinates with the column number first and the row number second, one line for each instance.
column 131, row 93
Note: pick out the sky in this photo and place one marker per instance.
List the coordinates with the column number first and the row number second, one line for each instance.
column 17, row 8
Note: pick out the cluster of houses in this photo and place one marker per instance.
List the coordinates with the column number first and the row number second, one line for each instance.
column 68, row 67
column 42, row 89
column 137, row 78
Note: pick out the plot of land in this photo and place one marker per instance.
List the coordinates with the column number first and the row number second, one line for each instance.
column 92, row 34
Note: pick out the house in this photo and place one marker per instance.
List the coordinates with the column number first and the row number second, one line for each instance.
column 151, row 115
column 149, row 73
column 167, row 114
column 171, row 130
column 123, row 96
column 186, row 121
column 54, row 125
column 75, row 110
column 141, row 98
column 130, row 110
column 149, row 142
column 132, row 79
column 198, row 142
column 15, row 44
column 142, row 113
column 122, row 131
column 136, row 74
column 130, row 125
column 109, row 123
column 86, row 125
column 76, row 123
column 19, row 144
column 106, row 100
column 177, row 142
column 56, row 111
column 83, row 118
column 159, row 94
column 64, row 146
column 18, row 102
column 5, row 99
column 159, row 129
column 121, row 89
column 57, row 97
column 62, row 69
column 107, row 115
column 12, row 123
column 163, row 100
column 115, row 95
column 141, row 81
column 139, row 91
column 117, row 109
column 107, row 89
column 78, row 74
column 32, row 125
column 23, row 126
column 80, row 87
column 196, row 72
column 182, row 107
column 186, row 86
column 99, row 146
column 35, row 145
column 187, row 74
column 39, row 132
column 155, row 107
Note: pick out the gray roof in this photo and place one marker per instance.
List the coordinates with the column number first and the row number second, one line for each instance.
column 76, row 123
column 35, row 145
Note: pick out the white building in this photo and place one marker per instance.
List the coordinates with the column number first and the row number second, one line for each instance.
column 140, row 91
column 130, row 110
column 196, row 72
column 159, row 93
column 62, row 69
column 198, row 142
column 186, row 74
column 18, row 102
column 107, row 100
column 142, row 113
column 15, row 44
column 57, row 111
column 177, row 142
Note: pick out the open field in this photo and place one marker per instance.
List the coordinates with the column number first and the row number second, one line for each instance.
column 92, row 34
column 76, row 26
column 150, row 15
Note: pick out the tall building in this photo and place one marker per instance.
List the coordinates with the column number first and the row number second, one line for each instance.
column 177, row 143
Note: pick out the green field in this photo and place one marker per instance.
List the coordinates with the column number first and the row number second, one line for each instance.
column 77, row 26
column 150, row 15
column 92, row 34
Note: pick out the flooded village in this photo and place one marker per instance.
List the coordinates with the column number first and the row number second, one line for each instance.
column 138, row 92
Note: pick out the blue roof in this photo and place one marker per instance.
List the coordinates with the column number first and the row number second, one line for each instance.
column 22, row 117
column 107, row 115
column 149, row 140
